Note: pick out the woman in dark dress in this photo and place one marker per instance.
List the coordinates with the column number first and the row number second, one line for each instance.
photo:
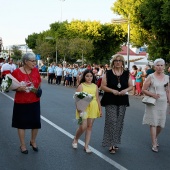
column 26, row 110
column 116, row 84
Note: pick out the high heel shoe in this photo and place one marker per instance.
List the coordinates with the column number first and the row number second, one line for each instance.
column 34, row 148
column 24, row 151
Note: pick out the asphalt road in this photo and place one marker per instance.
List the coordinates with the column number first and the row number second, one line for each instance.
column 58, row 128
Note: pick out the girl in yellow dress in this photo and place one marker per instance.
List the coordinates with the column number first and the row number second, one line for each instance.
column 87, row 84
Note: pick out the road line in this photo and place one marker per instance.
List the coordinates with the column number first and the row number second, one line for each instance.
column 99, row 154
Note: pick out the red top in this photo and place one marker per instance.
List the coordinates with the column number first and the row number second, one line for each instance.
column 6, row 72
column 24, row 97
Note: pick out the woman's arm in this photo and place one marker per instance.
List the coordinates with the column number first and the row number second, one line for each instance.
column 98, row 101
column 79, row 88
column 123, row 92
column 107, row 89
column 145, row 87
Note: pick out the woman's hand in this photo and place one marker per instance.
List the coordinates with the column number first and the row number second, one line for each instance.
column 123, row 92
column 21, row 88
column 116, row 92
column 101, row 114
column 156, row 96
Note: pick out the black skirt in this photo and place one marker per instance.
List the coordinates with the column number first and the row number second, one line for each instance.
column 26, row 116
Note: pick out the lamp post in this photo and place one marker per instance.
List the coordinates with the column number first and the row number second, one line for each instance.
column 51, row 38
column 61, row 9
column 82, row 58
column 119, row 21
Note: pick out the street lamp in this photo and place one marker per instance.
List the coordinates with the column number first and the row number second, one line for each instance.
column 51, row 38
column 82, row 58
column 119, row 21
column 61, row 9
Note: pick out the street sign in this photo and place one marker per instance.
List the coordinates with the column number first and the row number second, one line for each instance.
column 38, row 57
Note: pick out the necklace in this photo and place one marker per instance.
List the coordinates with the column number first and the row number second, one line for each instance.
column 118, row 79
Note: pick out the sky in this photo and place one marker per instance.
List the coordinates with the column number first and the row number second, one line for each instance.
column 20, row 18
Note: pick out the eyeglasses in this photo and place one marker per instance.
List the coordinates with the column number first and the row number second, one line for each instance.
column 32, row 61
column 118, row 61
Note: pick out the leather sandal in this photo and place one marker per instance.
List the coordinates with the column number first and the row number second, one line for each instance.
column 116, row 147
column 24, row 151
column 112, row 150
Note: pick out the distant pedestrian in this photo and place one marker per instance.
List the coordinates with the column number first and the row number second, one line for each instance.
column 133, row 73
column 50, row 72
column 139, row 81
column 93, row 110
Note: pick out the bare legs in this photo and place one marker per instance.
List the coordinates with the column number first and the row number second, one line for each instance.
column 154, row 132
column 34, row 133
column 21, row 134
column 87, row 128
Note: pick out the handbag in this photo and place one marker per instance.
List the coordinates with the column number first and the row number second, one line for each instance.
column 38, row 92
column 149, row 100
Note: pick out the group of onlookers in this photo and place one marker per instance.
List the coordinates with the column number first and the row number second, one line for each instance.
column 138, row 76
column 71, row 74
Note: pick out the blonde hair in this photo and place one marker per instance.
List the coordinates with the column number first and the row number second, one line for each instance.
column 115, row 57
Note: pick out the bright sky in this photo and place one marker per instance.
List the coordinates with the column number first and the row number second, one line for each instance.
column 20, row 18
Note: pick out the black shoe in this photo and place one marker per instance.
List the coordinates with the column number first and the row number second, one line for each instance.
column 24, row 152
column 34, row 148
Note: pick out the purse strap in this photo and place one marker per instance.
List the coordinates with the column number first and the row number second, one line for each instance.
column 30, row 78
column 153, row 83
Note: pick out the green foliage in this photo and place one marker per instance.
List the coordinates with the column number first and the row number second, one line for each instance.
column 31, row 40
column 149, row 22
column 17, row 54
column 93, row 41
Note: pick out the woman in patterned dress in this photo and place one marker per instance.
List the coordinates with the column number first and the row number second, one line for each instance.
column 155, row 86
column 93, row 110
column 115, row 83
column 26, row 110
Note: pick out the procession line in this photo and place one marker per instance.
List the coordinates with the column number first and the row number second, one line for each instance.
column 104, row 157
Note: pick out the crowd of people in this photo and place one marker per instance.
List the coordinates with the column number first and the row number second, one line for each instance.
column 138, row 77
column 70, row 74
column 114, row 80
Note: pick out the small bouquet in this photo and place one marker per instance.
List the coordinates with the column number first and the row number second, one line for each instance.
column 82, row 100
column 9, row 83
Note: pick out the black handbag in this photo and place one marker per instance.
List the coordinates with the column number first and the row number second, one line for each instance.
column 39, row 92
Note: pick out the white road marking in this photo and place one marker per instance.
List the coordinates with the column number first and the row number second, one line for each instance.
column 104, row 157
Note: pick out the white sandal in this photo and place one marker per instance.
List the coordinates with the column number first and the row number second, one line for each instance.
column 74, row 145
column 87, row 150
column 154, row 149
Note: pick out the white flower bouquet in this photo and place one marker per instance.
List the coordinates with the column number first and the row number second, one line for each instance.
column 82, row 100
column 9, row 83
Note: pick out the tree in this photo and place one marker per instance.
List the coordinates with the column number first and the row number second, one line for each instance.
column 101, row 41
column 17, row 54
column 31, row 40
column 149, row 24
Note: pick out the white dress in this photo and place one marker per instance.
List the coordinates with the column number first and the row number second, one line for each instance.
column 156, row 115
